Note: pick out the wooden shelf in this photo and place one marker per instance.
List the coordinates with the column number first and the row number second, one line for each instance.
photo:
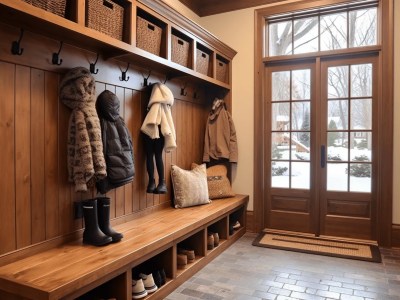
column 31, row 18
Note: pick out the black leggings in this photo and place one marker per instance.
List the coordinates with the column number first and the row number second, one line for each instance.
column 154, row 147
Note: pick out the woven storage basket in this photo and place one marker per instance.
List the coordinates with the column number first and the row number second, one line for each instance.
column 202, row 62
column 148, row 36
column 222, row 71
column 54, row 6
column 105, row 16
column 180, row 51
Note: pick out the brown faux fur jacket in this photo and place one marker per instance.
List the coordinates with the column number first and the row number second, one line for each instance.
column 86, row 162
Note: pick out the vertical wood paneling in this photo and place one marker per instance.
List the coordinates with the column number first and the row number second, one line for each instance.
column 128, row 191
column 120, row 192
column 135, row 121
column 22, row 156
column 65, row 188
column 37, row 156
column 51, row 151
column 7, row 158
column 37, row 198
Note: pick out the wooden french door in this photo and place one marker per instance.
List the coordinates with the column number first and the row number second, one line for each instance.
column 321, row 140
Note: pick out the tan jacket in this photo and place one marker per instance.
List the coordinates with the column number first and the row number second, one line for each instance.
column 220, row 137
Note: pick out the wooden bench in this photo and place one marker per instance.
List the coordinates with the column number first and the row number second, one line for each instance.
column 76, row 271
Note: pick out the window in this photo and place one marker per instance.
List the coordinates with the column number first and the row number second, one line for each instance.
column 313, row 31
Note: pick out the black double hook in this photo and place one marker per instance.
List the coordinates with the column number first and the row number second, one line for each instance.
column 92, row 66
column 16, row 47
column 56, row 56
column 123, row 75
column 183, row 90
column 146, row 79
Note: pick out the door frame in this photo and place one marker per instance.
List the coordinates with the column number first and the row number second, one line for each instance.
column 385, row 110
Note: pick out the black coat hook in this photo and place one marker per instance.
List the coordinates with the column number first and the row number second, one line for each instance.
column 92, row 66
column 56, row 56
column 123, row 76
column 195, row 94
column 183, row 90
column 15, row 46
column 146, row 79
column 166, row 79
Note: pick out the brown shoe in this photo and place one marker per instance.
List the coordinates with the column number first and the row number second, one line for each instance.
column 181, row 261
column 210, row 241
column 189, row 253
column 216, row 239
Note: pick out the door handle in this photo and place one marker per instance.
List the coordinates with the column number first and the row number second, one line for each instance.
column 323, row 156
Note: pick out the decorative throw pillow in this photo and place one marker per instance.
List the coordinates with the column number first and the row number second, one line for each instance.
column 190, row 186
column 218, row 182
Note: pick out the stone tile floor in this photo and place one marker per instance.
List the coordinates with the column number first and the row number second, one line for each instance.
column 246, row 272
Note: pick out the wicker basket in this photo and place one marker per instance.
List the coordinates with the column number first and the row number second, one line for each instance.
column 148, row 36
column 180, row 51
column 222, row 71
column 55, row 7
column 105, row 16
column 202, row 62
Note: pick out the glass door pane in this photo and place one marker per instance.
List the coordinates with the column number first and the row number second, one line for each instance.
column 290, row 129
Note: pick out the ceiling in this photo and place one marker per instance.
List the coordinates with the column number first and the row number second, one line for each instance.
column 211, row 7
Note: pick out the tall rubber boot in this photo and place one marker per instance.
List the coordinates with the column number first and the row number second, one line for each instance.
column 92, row 234
column 103, row 209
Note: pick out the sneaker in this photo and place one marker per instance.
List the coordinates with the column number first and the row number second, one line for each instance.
column 236, row 225
column 189, row 253
column 138, row 290
column 182, row 261
column 210, row 241
column 148, row 283
column 216, row 239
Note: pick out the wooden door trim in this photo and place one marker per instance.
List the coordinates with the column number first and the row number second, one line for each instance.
column 386, row 72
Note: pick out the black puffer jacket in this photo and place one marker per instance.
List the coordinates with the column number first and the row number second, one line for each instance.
column 117, row 144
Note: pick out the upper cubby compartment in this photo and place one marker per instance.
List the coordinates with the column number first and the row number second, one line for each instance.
column 222, row 69
column 181, row 49
column 110, row 17
column 204, row 60
column 151, row 33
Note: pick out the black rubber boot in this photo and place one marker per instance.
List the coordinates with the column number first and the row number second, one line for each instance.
column 103, row 210
column 161, row 188
column 92, row 234
column 151, row 187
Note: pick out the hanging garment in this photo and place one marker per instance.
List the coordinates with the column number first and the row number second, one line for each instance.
column 220, row 137
column 159, row 114
column 86, row 162
column 117, row 144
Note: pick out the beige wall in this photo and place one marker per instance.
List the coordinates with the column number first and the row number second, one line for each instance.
column 237, row 30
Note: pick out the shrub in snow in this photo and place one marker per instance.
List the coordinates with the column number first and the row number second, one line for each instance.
column 360, row 170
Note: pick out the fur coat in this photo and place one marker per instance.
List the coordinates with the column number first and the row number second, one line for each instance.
column 86, row 162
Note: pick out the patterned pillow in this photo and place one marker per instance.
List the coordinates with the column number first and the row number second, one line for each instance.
column 218, row 183
column 190, row 186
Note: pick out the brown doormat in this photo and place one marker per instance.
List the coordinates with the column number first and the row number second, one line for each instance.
column 319, row 246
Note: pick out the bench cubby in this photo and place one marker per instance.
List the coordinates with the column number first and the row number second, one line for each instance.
column 76, row 271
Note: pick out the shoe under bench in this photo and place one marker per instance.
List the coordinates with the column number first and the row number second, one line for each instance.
column 77, row 271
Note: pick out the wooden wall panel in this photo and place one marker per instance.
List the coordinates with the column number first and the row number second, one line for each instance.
column 37, row 156
column 7, row 158
column 51, row 152
column 37, row 200
column 22, row 155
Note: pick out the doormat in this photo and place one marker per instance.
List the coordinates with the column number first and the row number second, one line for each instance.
column 319, row 246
